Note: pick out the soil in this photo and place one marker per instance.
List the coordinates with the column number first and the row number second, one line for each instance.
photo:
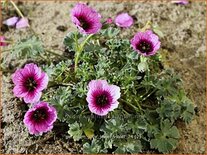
column 183, row 44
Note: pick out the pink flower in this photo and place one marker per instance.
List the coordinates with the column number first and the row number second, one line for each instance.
column 3, row 41
column 11, row 21
column 22, row 23
column 183, row 2
column 29, row 83
column 18, row 22
column 102, row 97
column 146, row 43
column 109, row 21
column 124, row 20
column 86, row 19
column 40, row 118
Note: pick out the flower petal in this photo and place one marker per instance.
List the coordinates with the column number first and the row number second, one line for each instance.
column 3, row 41
column 98, row 111
column 20, row 91
column 22, row 23
column 11, row 21
column 114, row 92
column 97, row 84
column 42, row 82
column 31, row 70
column 17, row 77
column 114, row 106
column 32, row 97
column 124, row 20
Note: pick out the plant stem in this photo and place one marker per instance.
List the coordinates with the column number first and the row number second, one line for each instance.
column 56, row 54
column 85, row 41
column 135, row 108
column 17, row 9
column 146, row 26
column 79, row 49
column 149, row 95
column 6, row 50
column 139, row 106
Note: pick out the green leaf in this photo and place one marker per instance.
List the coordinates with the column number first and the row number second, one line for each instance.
column 128, row 146
column 163, row 144
column 93, row 148
column 87, row 126
column 137, row 124
column 75, row 131
column 169, row 109
column 157, row 30
column 133, row 55
column 89, row 133
column 167, row 139
column 187, row 112
column 110, row 32
column 27, row 48
column 69, row 40
column 143, row 66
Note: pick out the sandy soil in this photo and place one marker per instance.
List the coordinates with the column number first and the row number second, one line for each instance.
column 184, row 43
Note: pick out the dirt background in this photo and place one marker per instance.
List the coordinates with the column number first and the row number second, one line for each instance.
column 184, row 43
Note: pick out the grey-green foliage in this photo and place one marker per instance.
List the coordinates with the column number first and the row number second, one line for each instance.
column 152, row 98
column 27, row 48
column 167, row 138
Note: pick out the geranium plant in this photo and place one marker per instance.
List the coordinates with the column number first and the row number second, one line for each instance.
column 112, row 91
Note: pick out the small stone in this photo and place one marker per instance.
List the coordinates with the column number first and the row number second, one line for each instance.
column 62, row 28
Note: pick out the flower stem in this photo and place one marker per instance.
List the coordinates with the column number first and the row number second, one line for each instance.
column 149, row 94
column 17, row 9
column 56, row 54
column 79, row 49
column 134, row 107
column 147, row 25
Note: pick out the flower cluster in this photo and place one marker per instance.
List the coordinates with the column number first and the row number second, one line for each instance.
column 88, row 22
column 29, row 84
column 102, row 97
column 118, row 88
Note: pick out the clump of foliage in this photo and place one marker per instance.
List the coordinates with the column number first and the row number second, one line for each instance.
column 152, row 97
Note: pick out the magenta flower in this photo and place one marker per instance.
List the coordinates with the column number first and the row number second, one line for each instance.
column 3, row 41
column 29, row 83
column 86, row 19
column 109, row 21
column 182, row 2
column 102, row 97
column 18, row 22
column 124, row 20
column 40, row 118
column 146, row 43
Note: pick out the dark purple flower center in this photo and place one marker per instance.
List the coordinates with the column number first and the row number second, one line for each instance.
column 145, row 46
column 30, row 84
column 40, row 114
column 102, row 99
column 84, row 23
